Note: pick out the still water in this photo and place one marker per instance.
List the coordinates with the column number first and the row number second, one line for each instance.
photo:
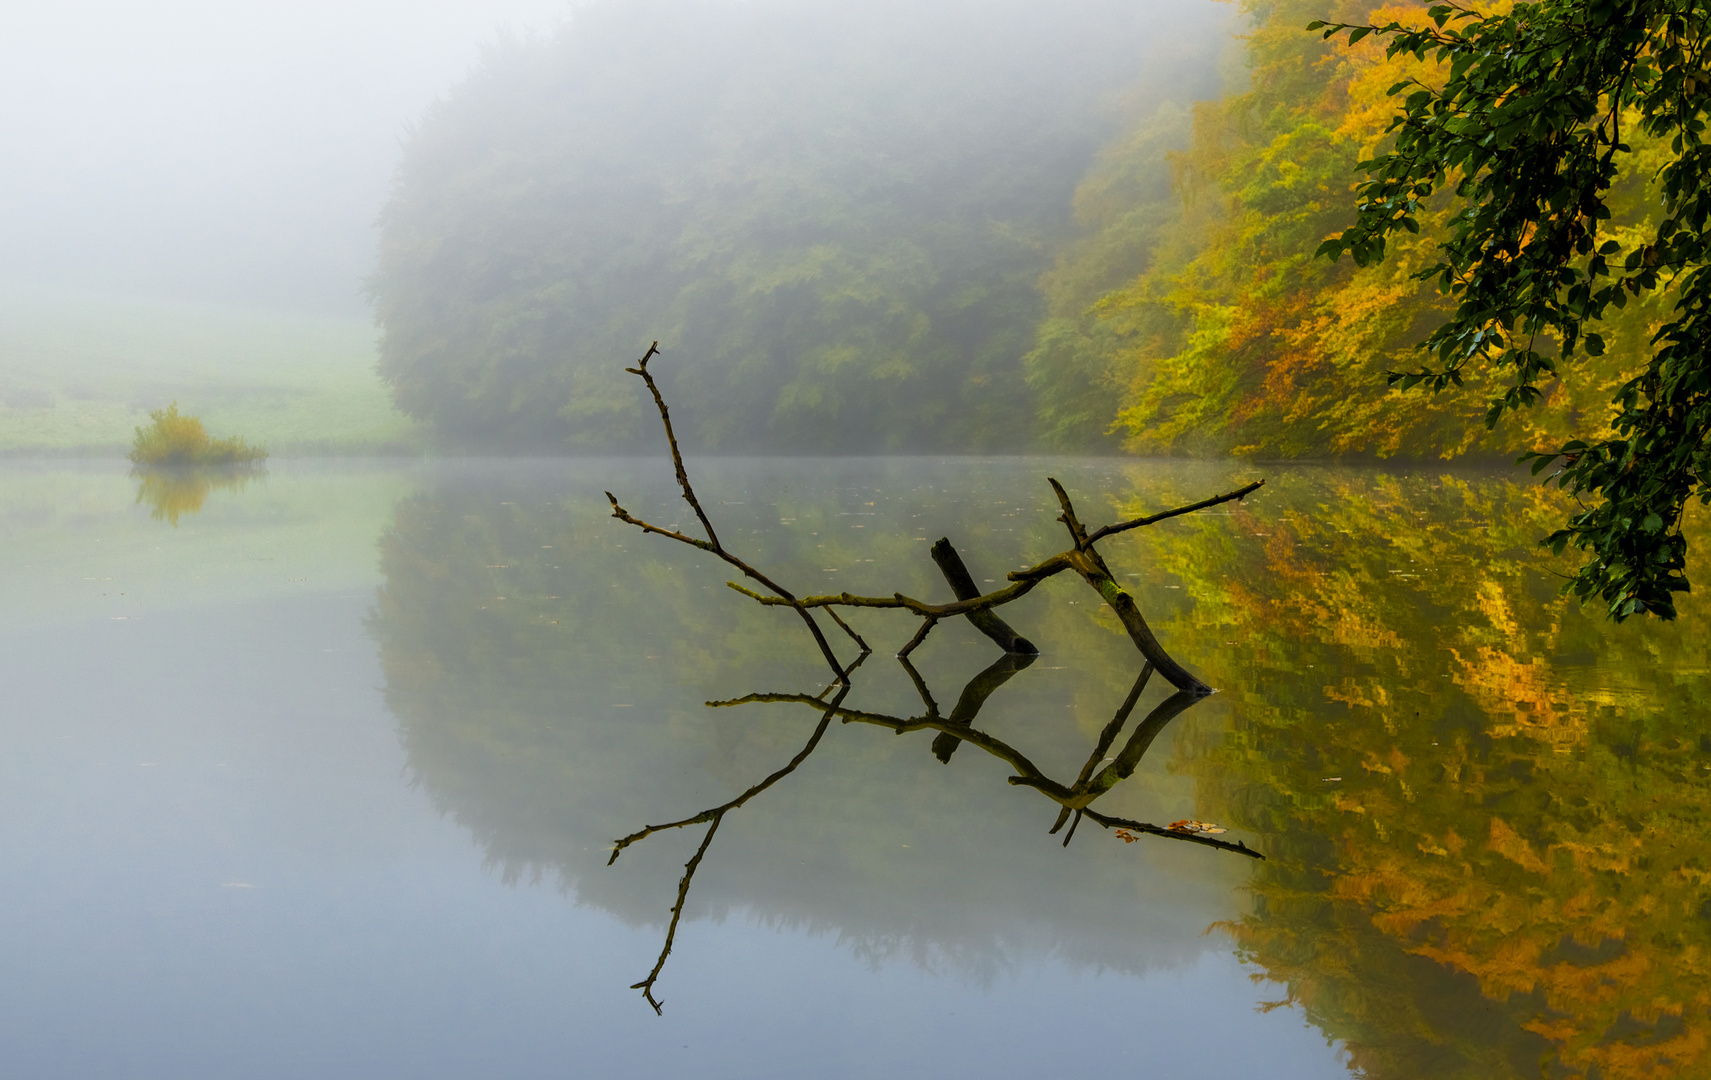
column 318, row 773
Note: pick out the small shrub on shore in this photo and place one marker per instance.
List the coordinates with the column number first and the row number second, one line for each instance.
column 175, row 440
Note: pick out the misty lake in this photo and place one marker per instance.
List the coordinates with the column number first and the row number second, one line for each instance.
column 320, row 775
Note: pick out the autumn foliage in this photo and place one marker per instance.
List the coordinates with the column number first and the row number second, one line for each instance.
column 174, row 440
column 1219, row 332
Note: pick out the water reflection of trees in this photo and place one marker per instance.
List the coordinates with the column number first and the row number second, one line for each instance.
column 1074, row 799
column 1485, row 812
column 516, row 624
column 1530, row 889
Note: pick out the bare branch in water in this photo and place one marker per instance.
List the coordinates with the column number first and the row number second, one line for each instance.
column 927, row 625
column 1075, row 798
column 1135, row 523
column 711, row 544
column 641, row 369
column 1085, row 560
column 958, row 728
column 1082, row 557
column 963, row 587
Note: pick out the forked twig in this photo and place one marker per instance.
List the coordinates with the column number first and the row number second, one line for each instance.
column 641, row 369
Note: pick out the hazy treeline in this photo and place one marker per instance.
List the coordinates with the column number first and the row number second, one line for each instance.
column 834, row 218
column 934, row 226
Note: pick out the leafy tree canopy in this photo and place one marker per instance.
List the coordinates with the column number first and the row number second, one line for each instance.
column 1532, row 119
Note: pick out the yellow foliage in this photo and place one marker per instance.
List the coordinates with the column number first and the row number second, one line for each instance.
column 173, row 440
column 1235, row 339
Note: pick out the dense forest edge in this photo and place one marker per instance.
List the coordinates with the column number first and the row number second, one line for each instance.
column 835, row 222
column 850, row 236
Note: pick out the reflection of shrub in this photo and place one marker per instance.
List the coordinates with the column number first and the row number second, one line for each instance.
column 182, row 440
column 172, row 492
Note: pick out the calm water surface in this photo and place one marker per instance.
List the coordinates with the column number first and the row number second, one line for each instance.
column 320, row 774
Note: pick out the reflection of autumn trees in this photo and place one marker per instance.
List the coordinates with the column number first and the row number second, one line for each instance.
column 549, row 670
column 1510, row 869
column 1490, row 857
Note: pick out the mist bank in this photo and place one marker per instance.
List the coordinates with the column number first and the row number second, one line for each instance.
column 833, row 219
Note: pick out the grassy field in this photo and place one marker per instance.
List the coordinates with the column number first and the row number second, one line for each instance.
column 79, row 375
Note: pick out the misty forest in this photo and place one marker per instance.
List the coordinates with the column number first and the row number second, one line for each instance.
column 773, row 538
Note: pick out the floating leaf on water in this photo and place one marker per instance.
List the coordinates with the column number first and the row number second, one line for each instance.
column 1199, row 828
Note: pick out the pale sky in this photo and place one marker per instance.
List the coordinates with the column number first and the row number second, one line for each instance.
column 222, row 151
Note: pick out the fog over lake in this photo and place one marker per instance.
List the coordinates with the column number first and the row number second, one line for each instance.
column 374, row 702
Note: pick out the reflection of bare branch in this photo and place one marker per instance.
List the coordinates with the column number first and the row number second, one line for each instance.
column 1172, row 834
column 927, row 625
column 1106, row 738
column 974, row 695
column 953, row 730
column 712, row 817
column 1074, row 798
column 719, row 811
column 646, row 986
column 920, row 686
